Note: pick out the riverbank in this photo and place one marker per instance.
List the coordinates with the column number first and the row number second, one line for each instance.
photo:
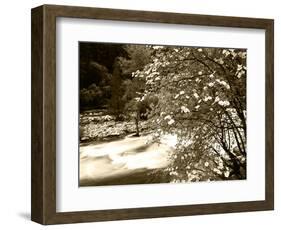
column 100, row 127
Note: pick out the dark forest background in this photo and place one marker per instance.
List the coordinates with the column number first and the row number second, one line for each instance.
column 106, row 75
column 96, row 68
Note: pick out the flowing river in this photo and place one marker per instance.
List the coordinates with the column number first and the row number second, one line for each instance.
column 132, row 160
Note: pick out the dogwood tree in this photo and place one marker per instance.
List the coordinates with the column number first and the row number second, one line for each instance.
column 202, row 101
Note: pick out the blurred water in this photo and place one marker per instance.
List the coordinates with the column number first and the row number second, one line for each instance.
column 123, row 157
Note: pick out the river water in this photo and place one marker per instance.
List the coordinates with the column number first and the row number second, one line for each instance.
column 127, row 161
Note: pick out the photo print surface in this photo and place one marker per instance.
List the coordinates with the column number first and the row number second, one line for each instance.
column 161, row 114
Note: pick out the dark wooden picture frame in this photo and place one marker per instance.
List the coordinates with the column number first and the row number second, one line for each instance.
column 43, row 206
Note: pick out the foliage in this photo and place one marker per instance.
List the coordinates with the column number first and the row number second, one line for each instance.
column 116, row 104
column 96, row 94
column 90, row 96
column 138, row 57
column 202, row 101
column 96, row 62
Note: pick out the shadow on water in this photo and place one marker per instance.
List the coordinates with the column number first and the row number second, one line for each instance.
column 136, row 150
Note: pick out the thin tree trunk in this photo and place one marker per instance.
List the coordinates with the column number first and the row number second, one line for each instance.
column 137, row 123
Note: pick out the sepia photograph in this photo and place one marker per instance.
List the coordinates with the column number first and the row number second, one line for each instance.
column 161, row 114
column 147, row 114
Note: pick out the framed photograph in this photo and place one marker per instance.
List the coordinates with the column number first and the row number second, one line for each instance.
column 139, row 114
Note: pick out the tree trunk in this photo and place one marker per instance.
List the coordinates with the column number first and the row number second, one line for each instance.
column 137, row 123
